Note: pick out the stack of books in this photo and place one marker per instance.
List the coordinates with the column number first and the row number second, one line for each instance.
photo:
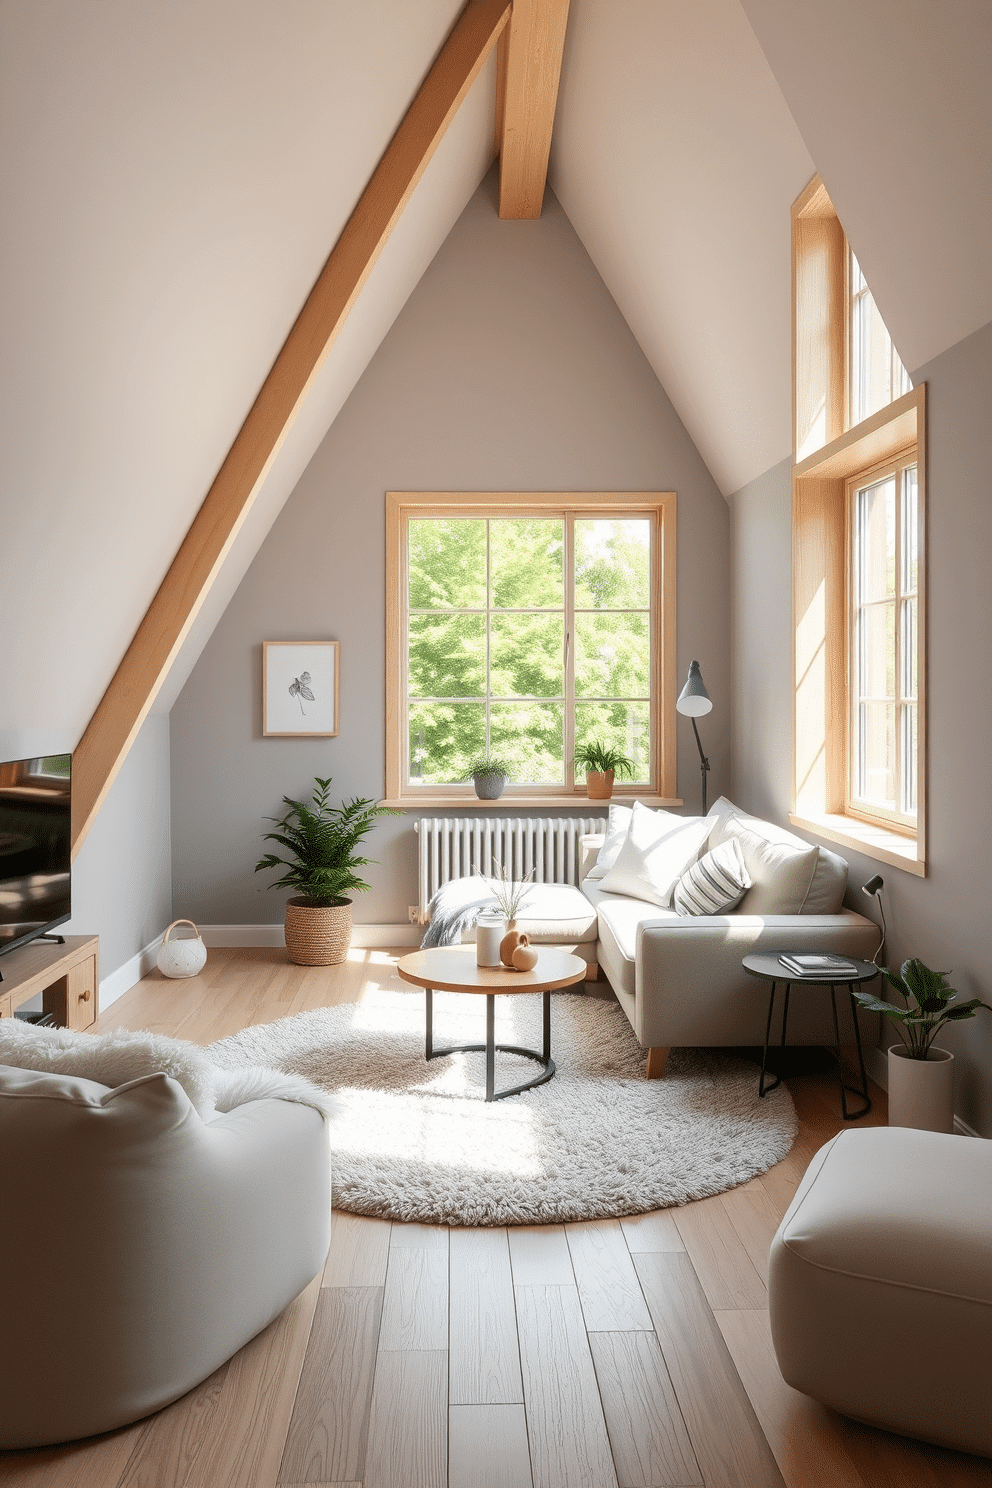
column 801, row 964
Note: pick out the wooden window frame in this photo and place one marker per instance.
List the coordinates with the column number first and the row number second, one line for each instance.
column 401, row 506
column 828, row 455
column 855, row 805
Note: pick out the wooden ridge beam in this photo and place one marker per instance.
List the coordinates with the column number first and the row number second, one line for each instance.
column 529, row 73
column 133, row 689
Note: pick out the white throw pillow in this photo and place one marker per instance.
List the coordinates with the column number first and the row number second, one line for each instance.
column 617, row 827
column 715, row 884
column 655, row 853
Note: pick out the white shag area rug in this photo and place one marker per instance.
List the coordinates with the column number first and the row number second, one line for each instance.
column 413, row 1140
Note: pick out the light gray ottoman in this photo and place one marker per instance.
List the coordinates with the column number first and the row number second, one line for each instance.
column 880, row 1284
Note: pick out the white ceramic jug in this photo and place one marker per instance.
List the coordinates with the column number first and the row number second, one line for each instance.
column 181, row 958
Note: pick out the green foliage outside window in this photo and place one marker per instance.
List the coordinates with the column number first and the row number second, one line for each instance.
column 486, row 657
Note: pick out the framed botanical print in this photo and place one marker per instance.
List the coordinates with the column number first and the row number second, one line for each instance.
column 300, row 689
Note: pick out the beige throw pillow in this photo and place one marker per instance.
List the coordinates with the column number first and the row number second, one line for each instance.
column 780, row 873
column 658, row 848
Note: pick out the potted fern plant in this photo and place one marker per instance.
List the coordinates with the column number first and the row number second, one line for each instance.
column 320, row 841
column 603, row 763
column 921, row 1076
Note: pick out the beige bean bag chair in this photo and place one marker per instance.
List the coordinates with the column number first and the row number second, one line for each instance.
column 142, row 1242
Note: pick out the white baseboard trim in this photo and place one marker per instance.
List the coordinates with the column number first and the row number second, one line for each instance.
column 364, row 937
column 127, row 976
column 877, row 1065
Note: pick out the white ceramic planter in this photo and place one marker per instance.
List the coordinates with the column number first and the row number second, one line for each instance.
column 921, row 1091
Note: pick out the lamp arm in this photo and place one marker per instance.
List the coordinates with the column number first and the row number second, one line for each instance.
column 704, row 763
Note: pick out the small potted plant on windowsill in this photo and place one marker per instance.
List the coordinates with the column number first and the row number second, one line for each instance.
column 489, row 774
column 321, row 840
column 603, row 763
column 921, row 1076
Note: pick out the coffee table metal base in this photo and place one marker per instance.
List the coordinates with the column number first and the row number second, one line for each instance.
column 490, row 1048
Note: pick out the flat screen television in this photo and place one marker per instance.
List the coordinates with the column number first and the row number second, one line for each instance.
column 35, row 843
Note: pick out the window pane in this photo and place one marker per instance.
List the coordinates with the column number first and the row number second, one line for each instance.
column 909, row 765
column 877, row 754
column 612, row 656
column 447, row 656
column 908, row 681
column 444, row 738
column 876, row 540
column 910, row 532
column 529, row 736
column 612, row 563
column 623, row 726
column 526, row 561
column 447, row 563
column 877, row 652
column 527, row 655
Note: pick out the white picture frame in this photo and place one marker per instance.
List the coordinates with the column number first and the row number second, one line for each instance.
column 300, row 689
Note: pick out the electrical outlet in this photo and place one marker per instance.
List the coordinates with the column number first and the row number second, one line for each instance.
column 413, row 914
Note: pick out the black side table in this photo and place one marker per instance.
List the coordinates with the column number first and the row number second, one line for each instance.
column 770, row 969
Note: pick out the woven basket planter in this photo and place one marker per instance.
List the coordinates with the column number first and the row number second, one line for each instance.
column 317, row 935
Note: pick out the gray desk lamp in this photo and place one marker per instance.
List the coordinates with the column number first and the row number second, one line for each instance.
column 694, row 701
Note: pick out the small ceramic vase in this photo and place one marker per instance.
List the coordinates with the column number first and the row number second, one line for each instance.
column 525, row 955
column 509, row 943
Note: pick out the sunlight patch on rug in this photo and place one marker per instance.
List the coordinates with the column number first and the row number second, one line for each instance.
column 416, row 1141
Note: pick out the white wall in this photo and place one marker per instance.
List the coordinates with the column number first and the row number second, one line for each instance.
column 122, row 877
column 510, row 368
column 943, row 918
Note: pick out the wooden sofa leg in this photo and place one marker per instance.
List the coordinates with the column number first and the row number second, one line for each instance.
column 657, row 1059
column 592, row 971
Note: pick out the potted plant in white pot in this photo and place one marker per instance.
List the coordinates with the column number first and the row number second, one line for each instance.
column 489, row 775
column 603, row 763
column 921, row 1076
column 320, row 840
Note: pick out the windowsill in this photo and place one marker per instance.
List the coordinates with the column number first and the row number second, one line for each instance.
column 546, row 803
column 873, row 841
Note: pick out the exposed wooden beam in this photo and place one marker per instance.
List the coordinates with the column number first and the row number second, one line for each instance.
column 135, row 685
column 526, row 103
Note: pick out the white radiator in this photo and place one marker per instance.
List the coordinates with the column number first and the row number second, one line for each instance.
column 456, row 846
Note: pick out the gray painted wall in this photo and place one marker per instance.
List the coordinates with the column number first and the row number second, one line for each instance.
column 944, row 918
column 509, row 368
column 122, row 878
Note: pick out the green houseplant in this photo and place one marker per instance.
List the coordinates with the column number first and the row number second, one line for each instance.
column 320, row 842
column 489, row 773
column 921, row 1076
column 603, row 763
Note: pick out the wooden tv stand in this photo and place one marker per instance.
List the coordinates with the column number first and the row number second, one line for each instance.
column 68, row 976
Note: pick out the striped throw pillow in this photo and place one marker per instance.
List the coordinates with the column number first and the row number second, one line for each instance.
column 715, row 884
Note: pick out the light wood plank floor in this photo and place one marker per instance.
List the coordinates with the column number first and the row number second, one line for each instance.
column 630, row 1354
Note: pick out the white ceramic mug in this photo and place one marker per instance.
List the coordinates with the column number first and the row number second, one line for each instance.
column 489, row 930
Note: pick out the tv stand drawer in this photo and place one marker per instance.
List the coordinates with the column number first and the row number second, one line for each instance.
column 67, row 976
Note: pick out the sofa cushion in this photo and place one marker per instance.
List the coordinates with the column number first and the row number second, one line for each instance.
column 554, row 914
column 825, row 892
column 619, row 920
column 659, row 846
column 715, row 884
column 617, row 826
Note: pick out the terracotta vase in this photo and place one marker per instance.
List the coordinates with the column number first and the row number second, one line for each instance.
column 509, row 943
column 599, row 784
column 525, row 955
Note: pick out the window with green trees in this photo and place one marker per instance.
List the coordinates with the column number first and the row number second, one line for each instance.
column 525, row 633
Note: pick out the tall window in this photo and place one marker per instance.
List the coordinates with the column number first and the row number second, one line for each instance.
column 884, row 647
column 524, row 633
column 875, row 373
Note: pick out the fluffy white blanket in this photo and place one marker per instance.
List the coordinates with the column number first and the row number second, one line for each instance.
column 114, row 1058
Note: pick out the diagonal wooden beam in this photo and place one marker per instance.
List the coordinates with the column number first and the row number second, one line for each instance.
column 135, row 685
column 530, row 69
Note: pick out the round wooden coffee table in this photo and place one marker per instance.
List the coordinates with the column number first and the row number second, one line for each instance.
column 454, row 969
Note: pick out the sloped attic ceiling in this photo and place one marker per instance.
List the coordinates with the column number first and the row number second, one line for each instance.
column 174, row 176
